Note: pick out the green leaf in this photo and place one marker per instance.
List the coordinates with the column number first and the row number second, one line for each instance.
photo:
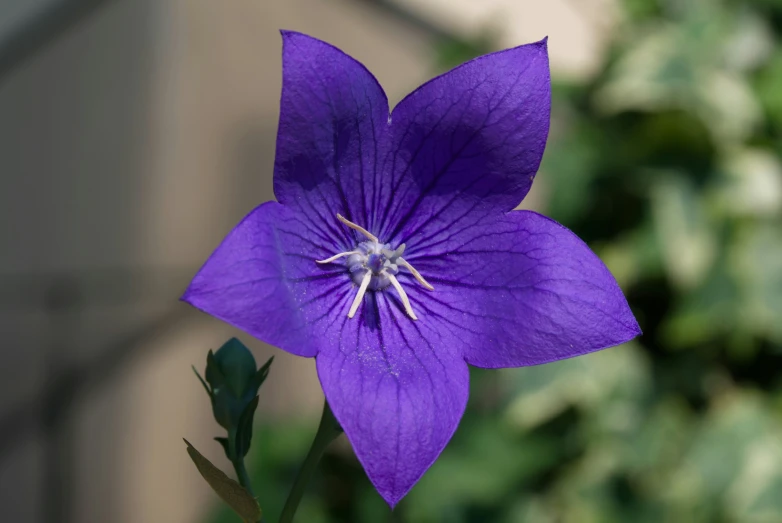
column 687, row 237
column 229, row 490
column 769, row 87
column 244, row 432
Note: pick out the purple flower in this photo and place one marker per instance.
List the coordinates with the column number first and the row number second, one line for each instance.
column 393, row 254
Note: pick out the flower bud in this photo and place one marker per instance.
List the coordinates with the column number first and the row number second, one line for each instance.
column 232, row 382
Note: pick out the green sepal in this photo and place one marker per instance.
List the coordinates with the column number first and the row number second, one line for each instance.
column 260, row 376
column 236, row 496
column 206, row 387
column 214, row 376
column 226, row 447
column 244, row 432
column 226, row 405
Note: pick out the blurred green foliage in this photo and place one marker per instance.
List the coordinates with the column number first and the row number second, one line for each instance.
column 667, row 163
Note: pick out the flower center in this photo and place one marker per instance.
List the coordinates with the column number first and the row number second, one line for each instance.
column 374, row 265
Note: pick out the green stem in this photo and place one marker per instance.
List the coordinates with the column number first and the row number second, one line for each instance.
column 328, row 430
column 241, row 475
column 239, row 468
column 244, row 478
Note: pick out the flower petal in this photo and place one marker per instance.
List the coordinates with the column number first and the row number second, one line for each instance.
column 333, row 114
column 398, row 397
column 264, row 280
column 467, row 143
column 522, row 291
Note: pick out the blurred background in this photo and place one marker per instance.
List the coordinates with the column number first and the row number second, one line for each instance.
column 135, row 133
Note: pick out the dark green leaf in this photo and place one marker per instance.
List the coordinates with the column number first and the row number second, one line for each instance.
column 229, row 490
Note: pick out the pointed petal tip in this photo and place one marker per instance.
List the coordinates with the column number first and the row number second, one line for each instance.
column 191, row 293
column 392, row 498
column 190, row 297
column 287, row 33
column 186, row 296
column 631, row 329
column 290, row 35
column 541, row 45
column 304, row 45
column 636, row 330
column 368, row 428
column 630, row 322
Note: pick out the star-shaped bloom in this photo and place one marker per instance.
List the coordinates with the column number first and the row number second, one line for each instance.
column 393, row 255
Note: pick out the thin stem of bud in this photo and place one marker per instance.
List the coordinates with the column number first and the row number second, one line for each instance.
column 328, row 430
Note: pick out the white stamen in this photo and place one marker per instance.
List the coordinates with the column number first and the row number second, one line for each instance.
column 338, row 256
column 405, row 300
column 357, row 228
column 416, row 274
column 377, row 271
column 360, row 296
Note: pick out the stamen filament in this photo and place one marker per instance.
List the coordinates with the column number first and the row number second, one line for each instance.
column 416, row 274
column 337, row 256
column 357, row 228
column 402, row 294
column 360, row 296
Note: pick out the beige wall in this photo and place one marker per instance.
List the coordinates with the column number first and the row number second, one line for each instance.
column 74, row 131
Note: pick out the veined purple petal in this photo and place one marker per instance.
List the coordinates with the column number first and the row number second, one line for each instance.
column 398, row 397
column 522, row 291
column 333, row 114
column 264, row 280
column 466, row 144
